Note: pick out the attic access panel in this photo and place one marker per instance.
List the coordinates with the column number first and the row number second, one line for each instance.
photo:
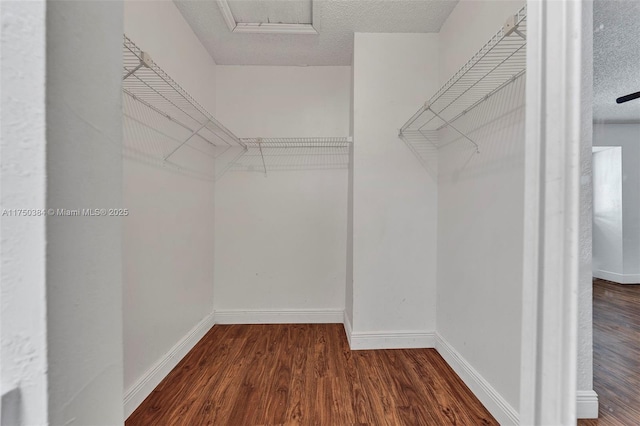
column 268, row 16
column 271, row 12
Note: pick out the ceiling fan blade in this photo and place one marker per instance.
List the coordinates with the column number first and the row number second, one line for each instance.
column 628, row 98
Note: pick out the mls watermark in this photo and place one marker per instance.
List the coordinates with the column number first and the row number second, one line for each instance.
column 64, row 212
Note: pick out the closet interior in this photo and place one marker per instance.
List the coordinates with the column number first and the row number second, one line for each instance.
column 264, row 192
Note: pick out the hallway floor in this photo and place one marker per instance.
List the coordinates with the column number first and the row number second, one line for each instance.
column 305, row 374
column 616, row 353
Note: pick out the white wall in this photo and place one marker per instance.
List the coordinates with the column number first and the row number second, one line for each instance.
column 587, row 406
column 627, row 136
column 480, row 214
column 607, row 210
column 281, row 239
column 23, row 334
column 394, row 197
column 168, row 236
column 84, row 254
column 271, row 102
column 157, row 27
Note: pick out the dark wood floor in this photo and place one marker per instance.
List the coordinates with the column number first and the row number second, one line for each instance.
column 241, row 375
column 616, row 353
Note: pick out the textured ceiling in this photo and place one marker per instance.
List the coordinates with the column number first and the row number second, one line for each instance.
column 335, row 21
column 616, row 59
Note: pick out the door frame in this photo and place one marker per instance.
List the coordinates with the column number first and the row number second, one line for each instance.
column 552, row 213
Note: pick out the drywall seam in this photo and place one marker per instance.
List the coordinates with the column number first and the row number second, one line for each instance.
column 587, row 404
column 148, row 381
column 617, row 278
column 279, row 316
column 391, row 340
column 504, row 413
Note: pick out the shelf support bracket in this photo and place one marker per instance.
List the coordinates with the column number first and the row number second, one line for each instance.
column 195, row 132
column 145, row 61
column 455, row 129
column 511, row 26
column 262, row 155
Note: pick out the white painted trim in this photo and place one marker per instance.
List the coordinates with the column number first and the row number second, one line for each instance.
column 227, row 15
column 152, row 377
column 587, row 404
column 504, row 413
column 617, row 278
column 552, row 211
column 280, row 316
column 255, row 28
column 261, row 28
column 391, row 340
column 347, row 327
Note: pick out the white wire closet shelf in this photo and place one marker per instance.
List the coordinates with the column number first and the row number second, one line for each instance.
column 279, row 154
column 497, row 64
column 145, row 82
column 164, row 125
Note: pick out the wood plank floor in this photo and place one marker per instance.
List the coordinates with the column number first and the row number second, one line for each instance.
column 616, row 353
column 305, row 374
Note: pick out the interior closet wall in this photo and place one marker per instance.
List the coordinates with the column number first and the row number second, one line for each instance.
column 348, row 302
column 625, row 135
column 168, row 235
column 480, row 213
column 281, row 238
column 394, row 196
column 84, row 253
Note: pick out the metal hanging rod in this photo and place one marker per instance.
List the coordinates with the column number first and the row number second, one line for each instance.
column 496, row 65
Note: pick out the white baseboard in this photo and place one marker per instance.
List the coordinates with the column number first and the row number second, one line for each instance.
column 390, row 339
column 504, row 413
column 617, row 278
column 587, row 406
column 282, row 316
column 152, row 377
column 347, row 327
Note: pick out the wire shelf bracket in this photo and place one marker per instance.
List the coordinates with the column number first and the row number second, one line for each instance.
column 496, row 65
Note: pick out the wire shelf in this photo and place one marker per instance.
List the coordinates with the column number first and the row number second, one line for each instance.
column 164, row 125
column 297, row 142
column 286, row 154
column 497, row 64
column 145, row 82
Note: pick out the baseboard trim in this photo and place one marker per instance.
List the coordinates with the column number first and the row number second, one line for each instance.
column 617, row 278
column 390, row 340
column 152, row 377
column 347, row 327
column 282, row 316
column 504, row 413
column 587, row 404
